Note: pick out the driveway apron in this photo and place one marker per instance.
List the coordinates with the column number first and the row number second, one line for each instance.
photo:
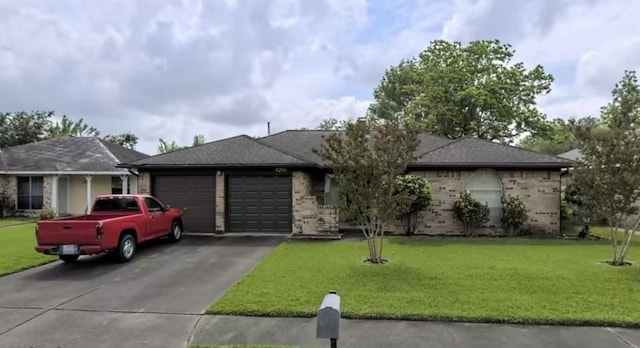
column 153, row 301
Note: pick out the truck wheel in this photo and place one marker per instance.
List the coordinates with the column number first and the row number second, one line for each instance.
column 126, row 248
column 176, row 232
column 69, row 258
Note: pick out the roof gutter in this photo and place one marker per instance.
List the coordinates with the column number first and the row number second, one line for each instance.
column 492, row 165
column 113, row 173
column 231, row 165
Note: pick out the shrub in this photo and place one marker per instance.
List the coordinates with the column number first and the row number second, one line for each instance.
column 514, row 214
column 418, row 191
column 471, row 212
column 47, row 214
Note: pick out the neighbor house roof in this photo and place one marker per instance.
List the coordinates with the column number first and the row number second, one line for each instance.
column 572, row 155
column 73, row 154
column 238, row 151
column 296, row 148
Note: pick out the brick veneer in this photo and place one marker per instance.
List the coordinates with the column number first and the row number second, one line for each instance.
column 220, row 203
column 144, row 183
column 539, row 190
column 309, row 217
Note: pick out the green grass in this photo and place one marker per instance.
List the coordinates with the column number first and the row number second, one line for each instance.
column 16, row 221
column 481, row 280
column 16, row 249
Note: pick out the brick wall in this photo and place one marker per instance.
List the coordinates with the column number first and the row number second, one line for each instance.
column 539, row 190
column 47, row 181
column 144, row 183
column 220, row 203
column 310, row 217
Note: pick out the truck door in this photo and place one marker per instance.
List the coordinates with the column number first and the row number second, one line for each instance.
column 158, row 223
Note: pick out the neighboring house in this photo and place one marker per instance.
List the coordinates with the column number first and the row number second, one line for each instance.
column 571, row 155
column 64, row 174
column 278, row 184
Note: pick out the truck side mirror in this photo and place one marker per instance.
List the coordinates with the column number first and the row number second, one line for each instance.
column 167, row 207
column 328, row 318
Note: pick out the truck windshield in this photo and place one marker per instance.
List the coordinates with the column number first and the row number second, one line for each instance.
column 116, row 204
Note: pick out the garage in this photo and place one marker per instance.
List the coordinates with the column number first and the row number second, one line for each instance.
column 195, row 195
column 259, row 203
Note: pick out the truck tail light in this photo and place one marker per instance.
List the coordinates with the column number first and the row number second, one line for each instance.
column 37, row 232
column 99, row 231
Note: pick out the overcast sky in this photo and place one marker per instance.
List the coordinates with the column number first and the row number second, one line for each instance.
column 174, row 69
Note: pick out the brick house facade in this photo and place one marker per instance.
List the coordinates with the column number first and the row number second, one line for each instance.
column 488, row 171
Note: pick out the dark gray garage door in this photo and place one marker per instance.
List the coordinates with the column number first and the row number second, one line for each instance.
column 195, row 195
column 259, row 203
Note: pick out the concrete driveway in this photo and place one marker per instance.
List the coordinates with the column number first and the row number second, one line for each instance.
column 153, row 301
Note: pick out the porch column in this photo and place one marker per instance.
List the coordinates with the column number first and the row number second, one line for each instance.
column 88, row 177
column 54, row 193
column 125, row 183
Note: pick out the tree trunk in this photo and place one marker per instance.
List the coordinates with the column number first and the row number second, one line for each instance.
column 627, row 241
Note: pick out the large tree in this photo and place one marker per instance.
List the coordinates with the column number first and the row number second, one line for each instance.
column 558, row 136
column 69, row 128
column 165, row 146
column 332, row 124
column 608, row 174
column 128, row 139
column 474, row 90
column 367, row 161
column 18, row 128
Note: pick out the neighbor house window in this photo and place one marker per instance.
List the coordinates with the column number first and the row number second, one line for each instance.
column 116, row 185
column 486, row 187
column 30, row 192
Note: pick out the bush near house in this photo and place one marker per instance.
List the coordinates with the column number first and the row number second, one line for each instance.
column 514, row 215
column 471, row 212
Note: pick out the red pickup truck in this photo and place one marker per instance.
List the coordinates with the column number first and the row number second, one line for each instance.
column 116, row 224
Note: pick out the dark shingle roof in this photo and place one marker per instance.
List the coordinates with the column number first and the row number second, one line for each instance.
column 295, row 148
column 302, row 142
column 237, row 151
column 475, row 152
column 74, row 154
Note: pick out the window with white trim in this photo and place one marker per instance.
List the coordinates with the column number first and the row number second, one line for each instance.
column 30, row 192
column 116, row 185
column 486, row 187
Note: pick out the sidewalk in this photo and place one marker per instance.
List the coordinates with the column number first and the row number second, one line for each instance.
column 380, row 333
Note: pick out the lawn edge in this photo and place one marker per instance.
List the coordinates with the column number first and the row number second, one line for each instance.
column 27, row 267
column 439, row 318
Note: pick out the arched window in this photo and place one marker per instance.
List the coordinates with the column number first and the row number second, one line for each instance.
column 486, row 187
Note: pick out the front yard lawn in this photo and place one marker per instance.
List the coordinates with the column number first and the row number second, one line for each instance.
column 16, row 221
column 16, row 249
column 481, row 280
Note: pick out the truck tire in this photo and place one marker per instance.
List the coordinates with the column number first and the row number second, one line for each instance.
column 176, row 232
column 126, row 248
column 69, row 258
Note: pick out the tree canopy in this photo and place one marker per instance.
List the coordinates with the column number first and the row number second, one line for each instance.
column 474, row 90
column 24, row 127
column 558, row 136
column 608, row 174
column 367, row 160
column 165, row 146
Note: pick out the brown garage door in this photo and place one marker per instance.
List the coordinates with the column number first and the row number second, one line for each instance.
column 259, row 203
column 195, row 195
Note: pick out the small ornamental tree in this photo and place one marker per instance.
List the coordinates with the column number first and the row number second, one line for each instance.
column 471, row 212
column 418, row 191
column 608, row 174
column 514, row 215
column 366, row 159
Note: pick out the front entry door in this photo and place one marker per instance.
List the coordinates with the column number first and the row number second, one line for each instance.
column 63, row 195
